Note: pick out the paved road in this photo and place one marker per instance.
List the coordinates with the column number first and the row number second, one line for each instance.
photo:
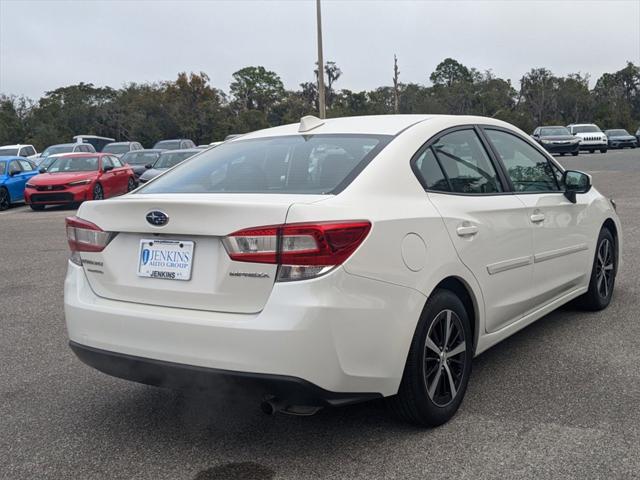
column 558, row 400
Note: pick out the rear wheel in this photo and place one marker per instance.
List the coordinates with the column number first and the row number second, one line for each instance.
column 98, row 193
column 438, row 365
column 603, row 150
column 575, row 154
column 37, row 208
column 603, row 274
column 5, row 199
column 591, row 151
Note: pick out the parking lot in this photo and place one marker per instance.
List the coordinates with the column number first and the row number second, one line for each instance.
column 557, row 400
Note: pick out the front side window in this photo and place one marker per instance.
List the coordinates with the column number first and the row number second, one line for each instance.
column 306, row 164
column 14, row 166
column 466, row 163
column 528, row 169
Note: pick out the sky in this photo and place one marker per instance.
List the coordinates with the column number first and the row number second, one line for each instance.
column 47, row 44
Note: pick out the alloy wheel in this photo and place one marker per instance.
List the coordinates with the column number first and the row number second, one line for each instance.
column 4, row 199
column 97, row 192
column 444, row 358
column 605, row 268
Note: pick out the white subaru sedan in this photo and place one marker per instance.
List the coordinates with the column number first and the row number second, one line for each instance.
column 336, row 261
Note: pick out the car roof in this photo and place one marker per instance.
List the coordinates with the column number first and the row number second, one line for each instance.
column 120, row 143
column 582, row 125
column 183, row 150
column 148, row 150
column 63, row 145
column 82, row 154
column 372, row 125
column 551, row 126
column 17, row 145
column 7, row 158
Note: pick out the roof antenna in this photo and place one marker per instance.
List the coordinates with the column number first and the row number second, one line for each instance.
column 309, row 123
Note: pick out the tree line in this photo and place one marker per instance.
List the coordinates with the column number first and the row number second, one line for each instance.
column 190, row 107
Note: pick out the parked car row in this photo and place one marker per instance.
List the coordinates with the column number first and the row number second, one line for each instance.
column 69, row 178
column 583, row 136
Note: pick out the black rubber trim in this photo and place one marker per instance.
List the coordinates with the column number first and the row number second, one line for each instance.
column 291, row 390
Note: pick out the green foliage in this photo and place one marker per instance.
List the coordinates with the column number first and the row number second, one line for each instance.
column 191, row 107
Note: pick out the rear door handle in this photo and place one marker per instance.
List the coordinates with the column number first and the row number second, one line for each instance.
column 467, row 231
column 537, row 217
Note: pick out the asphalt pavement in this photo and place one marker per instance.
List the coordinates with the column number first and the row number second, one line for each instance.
column 560, row 399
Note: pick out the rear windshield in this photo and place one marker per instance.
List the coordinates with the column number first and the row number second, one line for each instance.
column 586, row 129
column 168, row 144
column 171, row 159
column 8, row 152
column 116, row 149
column 74, row 164
column 140, row 158
column 313, row 164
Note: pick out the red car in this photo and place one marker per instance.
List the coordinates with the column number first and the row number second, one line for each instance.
column 76, row 177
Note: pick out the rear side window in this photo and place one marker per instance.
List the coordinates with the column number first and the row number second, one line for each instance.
column 429, row 170
column 292, row 164
column 528, row 169
column 466, row 163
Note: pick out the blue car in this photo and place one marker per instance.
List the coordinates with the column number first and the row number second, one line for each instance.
column 14, row 173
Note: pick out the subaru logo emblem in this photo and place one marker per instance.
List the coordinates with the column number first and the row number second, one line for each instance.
column 157, row 218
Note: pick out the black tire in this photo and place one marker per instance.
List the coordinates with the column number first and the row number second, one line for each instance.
column 603, row 150
column 5, row 199
column 591, row 151
column 98, row 193
column 575, row 154
column 562, row 154
column 36, row 208
column 601, row 284
column 131, row 184
column 422, row 398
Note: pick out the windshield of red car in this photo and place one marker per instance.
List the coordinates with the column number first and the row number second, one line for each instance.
column 73, row 164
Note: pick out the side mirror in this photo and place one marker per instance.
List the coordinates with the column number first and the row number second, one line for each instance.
column 535, row 135
column 42, row 170
column 148, row 166
column 574, row 183
column 107, row 168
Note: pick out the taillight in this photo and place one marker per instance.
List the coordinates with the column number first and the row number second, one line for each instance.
column 84, row 236
column 302, row 250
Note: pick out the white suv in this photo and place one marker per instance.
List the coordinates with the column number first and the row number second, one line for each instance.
column 27, row 151
column 590, row 135
column 336, row 261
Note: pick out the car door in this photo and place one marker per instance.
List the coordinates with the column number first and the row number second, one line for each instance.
column 561, row 232
column 15, row 181
column 28, row 171
column 108, row 179
column 487, row 225
column 121, row 176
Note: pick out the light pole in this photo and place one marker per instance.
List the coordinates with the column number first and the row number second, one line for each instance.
column 321, row 106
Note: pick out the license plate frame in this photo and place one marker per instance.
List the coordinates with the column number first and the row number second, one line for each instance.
column 165, row 259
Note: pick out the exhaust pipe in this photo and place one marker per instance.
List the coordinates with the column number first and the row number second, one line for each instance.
column 271, row 405
column 274, row 405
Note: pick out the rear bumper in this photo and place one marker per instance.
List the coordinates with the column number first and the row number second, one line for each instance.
column 341, row 333
column 189, row 377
